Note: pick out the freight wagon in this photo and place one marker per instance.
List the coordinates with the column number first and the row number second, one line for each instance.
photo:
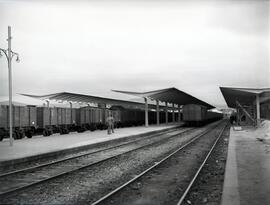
column 196, row 115
column 127, row 117
column 30, row 120
column 24, row 121
column 92, row 118
column 162, row 117
column 54, row 119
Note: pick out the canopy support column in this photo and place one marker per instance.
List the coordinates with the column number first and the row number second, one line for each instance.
column 71, row 117
column 158, row 112
column 166, row 112
column 179, row 114
column 173, row 113
column 146, row 112
column 258, row 109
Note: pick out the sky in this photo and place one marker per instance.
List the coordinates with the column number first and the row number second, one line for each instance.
column 91, row 47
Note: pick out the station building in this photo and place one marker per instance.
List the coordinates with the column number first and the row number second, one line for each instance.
column 251, row 104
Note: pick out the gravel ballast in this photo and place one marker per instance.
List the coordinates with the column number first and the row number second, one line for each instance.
column 23, row 178
column 207, row 189
column 89, row 184
column 80, row 150
column 166, row 183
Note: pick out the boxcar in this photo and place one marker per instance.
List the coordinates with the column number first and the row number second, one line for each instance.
column 127, row 117
column 29, row 120
column 196, row 115
column 55, row 119
column 193, row 113
column 24, row 121
column 90, row 118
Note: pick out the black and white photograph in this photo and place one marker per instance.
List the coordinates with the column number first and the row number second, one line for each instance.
column 134, row 102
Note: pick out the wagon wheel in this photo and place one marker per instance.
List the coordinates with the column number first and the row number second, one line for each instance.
column 61, row 131
column 2, row 134
column 50, row 132
column 21, row 134
column 45, row 133
column 17, row 135
column 28, row 134
column 67, row 131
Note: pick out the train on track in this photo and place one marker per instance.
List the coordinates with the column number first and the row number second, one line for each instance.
column 197, row 115
column 33, row 120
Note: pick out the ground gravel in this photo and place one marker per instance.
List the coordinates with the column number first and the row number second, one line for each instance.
column 89, row 184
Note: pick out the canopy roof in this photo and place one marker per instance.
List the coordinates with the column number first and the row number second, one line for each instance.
column 245, row 96
column 81, row 98
column 170, row 95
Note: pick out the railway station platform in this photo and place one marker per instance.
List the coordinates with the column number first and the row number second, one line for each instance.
column 30, row 149
column 247, row 175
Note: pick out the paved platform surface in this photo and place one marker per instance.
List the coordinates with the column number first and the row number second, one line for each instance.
column 41, row 145
column 247, row 176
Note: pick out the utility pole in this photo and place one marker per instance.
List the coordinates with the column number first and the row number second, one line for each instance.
column 9, row 55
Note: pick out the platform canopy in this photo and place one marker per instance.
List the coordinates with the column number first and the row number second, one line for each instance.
column 81, row 98
column 245, row 96
column 170, row 95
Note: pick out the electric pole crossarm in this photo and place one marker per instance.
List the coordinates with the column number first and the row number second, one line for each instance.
column 4, row 51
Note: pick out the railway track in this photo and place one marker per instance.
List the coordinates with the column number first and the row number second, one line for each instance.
column 24, row 178
column 180, row 202
column 85, row 151
column 163, row 183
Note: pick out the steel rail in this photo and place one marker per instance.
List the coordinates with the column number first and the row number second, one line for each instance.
column 153, row 166
column 200, row 168
column 87, row 165
column 85, row 154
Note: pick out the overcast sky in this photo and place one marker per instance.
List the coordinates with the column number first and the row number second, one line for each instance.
column 91, row 47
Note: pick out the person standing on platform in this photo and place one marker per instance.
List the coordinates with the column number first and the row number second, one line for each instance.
column 110, row 124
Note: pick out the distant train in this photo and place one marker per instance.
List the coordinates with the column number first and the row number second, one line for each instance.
column 32, row 120
column 196, row 115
